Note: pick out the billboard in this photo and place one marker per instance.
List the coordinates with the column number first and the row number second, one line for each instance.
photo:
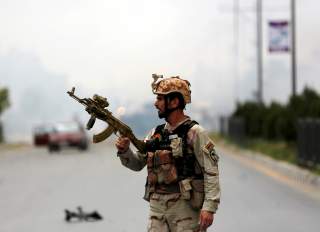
column 279, row 36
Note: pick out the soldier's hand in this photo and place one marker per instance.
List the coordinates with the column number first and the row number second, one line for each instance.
column 206, row 219
column 122, row 144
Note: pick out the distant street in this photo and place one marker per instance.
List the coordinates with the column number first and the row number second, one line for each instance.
column 36, row 187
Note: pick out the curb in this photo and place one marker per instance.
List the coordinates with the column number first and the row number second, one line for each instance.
column 291, row 171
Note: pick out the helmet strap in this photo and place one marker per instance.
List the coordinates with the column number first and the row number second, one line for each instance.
column 168, row 111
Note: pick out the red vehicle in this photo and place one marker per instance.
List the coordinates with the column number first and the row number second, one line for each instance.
column 67, row 135
column 41, row 135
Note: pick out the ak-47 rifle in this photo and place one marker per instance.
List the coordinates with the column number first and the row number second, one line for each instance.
column 97, row 108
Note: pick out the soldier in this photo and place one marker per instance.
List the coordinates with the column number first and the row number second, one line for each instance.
column 183, row 178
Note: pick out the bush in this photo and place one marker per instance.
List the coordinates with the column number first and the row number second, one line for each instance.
column 276, row 121
column 4, row 103
column 252, row 113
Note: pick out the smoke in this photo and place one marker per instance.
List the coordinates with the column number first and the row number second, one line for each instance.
column 36, row 95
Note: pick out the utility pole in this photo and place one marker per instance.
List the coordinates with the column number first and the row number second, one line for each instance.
column 293, row 48
column 236, row 46
column 259, row 44
column 259, row 52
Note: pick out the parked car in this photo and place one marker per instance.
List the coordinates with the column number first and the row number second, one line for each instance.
column 70, row 134
column 41, row 134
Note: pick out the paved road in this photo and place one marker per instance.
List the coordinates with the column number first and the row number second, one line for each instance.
column 35, row 188
column 255, row 202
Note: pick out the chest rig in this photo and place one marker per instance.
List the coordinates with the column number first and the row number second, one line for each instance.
column 172, row 161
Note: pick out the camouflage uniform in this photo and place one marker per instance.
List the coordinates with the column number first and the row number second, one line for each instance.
column 182, row 180
column 171, row 212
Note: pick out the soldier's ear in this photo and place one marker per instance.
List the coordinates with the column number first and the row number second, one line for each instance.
column 173, row 103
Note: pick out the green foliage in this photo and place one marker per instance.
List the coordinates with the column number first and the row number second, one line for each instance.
column 278, row 150
column 305, row 105
column 276, row 121
column 4, row 103
column 252, row 113
column 1, row 133
column 273, row 121
column 4, row 99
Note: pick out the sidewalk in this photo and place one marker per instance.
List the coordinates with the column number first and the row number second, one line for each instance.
column 280, row 168
column 4, row 147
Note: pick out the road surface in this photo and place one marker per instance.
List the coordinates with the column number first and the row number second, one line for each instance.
column 36, row 187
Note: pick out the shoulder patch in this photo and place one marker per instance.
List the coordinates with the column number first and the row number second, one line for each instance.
column 209, row 149
column 209, row 146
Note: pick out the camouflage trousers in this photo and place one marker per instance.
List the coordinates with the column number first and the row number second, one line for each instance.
column 171, row 213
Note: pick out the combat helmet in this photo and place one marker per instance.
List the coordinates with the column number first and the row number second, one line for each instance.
column 170, row 85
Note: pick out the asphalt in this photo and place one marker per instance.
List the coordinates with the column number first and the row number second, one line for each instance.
column 282, row 170
column 36, row 187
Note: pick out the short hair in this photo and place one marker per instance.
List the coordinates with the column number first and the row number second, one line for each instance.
column 173, row 95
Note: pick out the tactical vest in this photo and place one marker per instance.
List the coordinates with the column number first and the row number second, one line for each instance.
column 184, row 166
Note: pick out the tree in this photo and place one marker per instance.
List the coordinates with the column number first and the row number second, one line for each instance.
column 276, row 121
column 4, row 104
column 253, row 114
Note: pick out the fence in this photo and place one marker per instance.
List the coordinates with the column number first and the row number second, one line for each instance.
column 236, row 129
column 223, row 125
column 308, row 131
column 233, row 127
column 308, row 137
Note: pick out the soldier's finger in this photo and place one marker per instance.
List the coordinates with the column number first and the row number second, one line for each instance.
column 121, row 149
column 203, row 225
column 118, row 141
column 122, row 136
column 202, row 228
column 125, row 142
column 119, row 138
column 119, row 145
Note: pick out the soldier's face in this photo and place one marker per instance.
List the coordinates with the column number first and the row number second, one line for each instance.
column 160, row 105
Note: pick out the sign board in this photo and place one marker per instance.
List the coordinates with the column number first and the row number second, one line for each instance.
column 279, row 36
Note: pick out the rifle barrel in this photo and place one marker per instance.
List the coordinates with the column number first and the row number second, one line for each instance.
column 71, row 94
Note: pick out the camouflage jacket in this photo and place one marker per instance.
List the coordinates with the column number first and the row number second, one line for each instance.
column 205, row 153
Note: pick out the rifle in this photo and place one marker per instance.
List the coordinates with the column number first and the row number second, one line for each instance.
column 97, row 108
